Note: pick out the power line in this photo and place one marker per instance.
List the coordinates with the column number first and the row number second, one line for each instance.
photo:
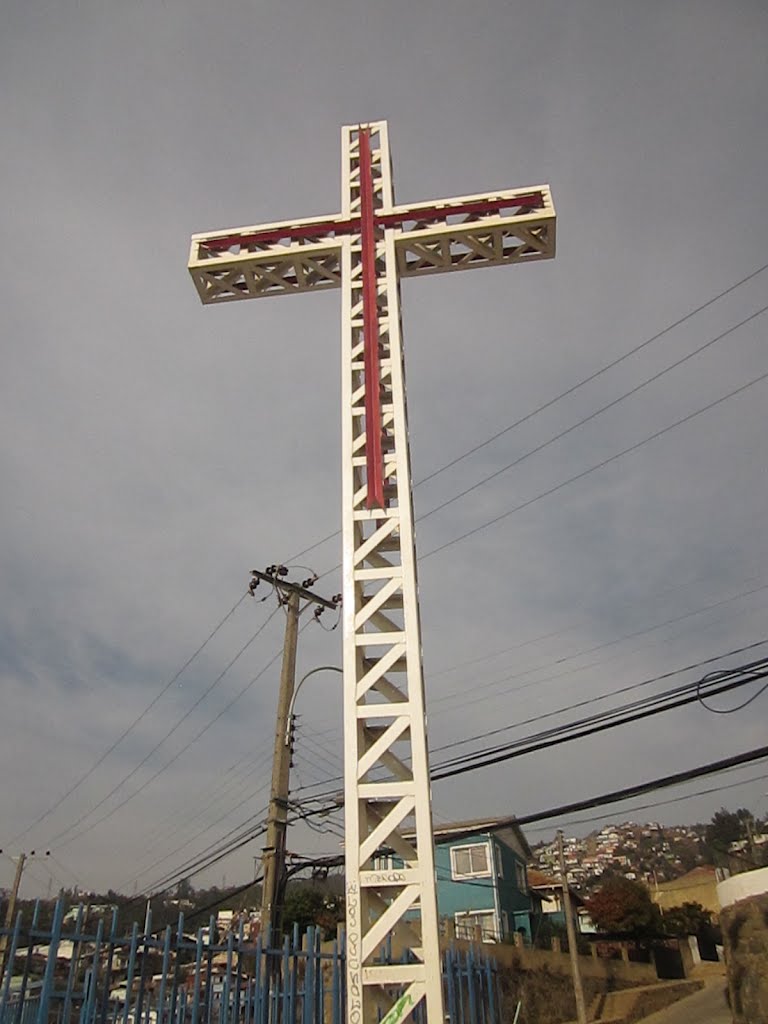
column 199, row 834
column 590, row 650
column 179, row 753
column 457, row 666
column 678, row 697
column 218, row 791
column 662, row 803
column 477, row 698
column 663, row 782
column 592, row 376
column 689, row 693
column 600, row 697
column 563, row 394
column 587, row 419
column 100, row 760
column 599, row 465
column 169, row 733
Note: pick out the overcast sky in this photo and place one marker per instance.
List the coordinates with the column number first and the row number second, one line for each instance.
column 153, row 451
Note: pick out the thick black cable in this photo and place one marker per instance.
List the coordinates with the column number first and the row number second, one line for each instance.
column 579, row 704
column 594, row 700
column 726, row 711
column 486, row 758
column 628, row 792
column 662, row 803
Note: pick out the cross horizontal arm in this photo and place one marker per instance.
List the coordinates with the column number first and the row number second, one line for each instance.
column 460, row 233
column 475, row 231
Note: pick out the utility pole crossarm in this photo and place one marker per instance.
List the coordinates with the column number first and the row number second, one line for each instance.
column 302, row 591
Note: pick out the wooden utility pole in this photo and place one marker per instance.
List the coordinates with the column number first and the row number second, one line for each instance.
column 11, row 910
column 273, row 855
column 581, row 1010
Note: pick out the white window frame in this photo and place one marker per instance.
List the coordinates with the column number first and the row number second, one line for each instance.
column 457, row 875
column 464, row 930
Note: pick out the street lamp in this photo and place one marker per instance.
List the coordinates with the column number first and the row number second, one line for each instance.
column 312, row 672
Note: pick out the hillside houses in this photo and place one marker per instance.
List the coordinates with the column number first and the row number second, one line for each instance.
column 650, row 853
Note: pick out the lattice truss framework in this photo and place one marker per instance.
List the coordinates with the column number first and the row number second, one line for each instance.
column 365, row 251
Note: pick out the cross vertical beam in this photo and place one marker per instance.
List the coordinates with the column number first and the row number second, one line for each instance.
column 386, row 775
column 374, row 463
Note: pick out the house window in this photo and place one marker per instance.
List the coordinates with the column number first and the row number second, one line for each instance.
column 470, row 861
column 521, row 877
column 468, row 923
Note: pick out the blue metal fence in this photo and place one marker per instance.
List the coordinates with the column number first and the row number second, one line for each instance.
column 98, row 976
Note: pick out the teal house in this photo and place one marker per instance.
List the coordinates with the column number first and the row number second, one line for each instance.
column 482, row 879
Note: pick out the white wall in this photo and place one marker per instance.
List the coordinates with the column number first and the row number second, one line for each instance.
column 740, row 887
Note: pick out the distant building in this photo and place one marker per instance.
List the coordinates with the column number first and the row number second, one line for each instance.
column 698, row 886
column 482, row 878
column 550, row 893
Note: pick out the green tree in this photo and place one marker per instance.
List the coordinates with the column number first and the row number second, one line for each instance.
column 689, row 919
column 305, row 905
column 621, row 905
column 726, row 827
column 184, row 890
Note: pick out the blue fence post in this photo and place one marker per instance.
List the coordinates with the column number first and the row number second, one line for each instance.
column 258, row 982
column 146, row 940
column 22, row 1015
column 335, row 972
column 9, row 965
column 196, row 988
column 73, row 963
column 130, row 971
column 319, row 979
column 284, row 978
column 50, row 967
column 176, row 970
column 108, row 969
column 163, row 976
column 209, row 970
column 294, row 973
column 87, row 1010
column 239, row 974
column 448, row 984
column 224, row 1004
column 309, row 978
column 489, row 980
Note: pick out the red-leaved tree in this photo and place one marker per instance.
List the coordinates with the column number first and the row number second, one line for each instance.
column 621, row 905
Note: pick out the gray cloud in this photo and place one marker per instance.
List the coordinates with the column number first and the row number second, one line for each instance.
column 152, row 451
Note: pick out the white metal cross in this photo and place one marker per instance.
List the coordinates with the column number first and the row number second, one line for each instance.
column 365, row 250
